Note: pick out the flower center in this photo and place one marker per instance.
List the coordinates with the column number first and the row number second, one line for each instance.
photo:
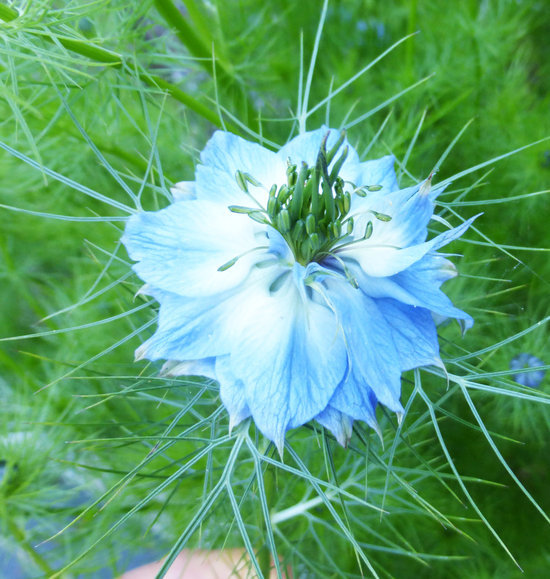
column 311, row 210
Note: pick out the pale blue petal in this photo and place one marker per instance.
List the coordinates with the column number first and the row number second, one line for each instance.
column 341, row 425
column 413, row 333
column 354, row 398
column 387, row 260
column 422, row 281
column 223, row 156
column 305, row 148
column 204, row 367
column 409, row 224
column 278, row 247
column 232, row 392
column 290, row 356
column 188, row 329
column 410, row 213
column 378, row 172
column 179, row 249
column 434, row 269
column 416, row 286
column 374, row 360
column 183, row 191
column 195, row 328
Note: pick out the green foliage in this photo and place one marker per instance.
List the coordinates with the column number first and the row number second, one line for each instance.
column 105, row 104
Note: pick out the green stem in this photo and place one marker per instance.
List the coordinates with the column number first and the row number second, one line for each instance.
column 202, row 50
column 188, row 37
column 264, row 558
column 199, row 22
column 411, row 29
column 104, row 56
column 181, row 96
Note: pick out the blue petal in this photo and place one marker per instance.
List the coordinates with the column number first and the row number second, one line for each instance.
column 232, row 392
column 195, row 328
column 410, row 213
column 188, row 329
column 338, row 423
column 183, row 191
column 386, row 260
column 204, row 367
column 354, row 398
column 378, row 172
column 223, row 156
column 416, row 286
column 422, row 281
column 179, row 249
column 413, row 333
column 374, row 360
column 305, row 147
column 290, row 356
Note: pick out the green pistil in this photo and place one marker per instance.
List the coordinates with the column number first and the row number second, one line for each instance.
column 311, row 210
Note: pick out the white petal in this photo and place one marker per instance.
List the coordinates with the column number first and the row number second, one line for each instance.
column 180, row 249
column 387, row 260
column 290, row 355
column 203, row 327
column 378, row 172
column 223, row 156
column 183, row 191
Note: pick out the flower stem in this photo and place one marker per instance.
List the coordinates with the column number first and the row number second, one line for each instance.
column 269, row 482
column 203, row 50
column 188, row 37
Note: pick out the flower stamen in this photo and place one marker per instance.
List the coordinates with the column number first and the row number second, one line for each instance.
column 310, row 210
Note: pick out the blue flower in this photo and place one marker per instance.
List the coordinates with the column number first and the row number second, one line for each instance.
column 523, row 361
column 303, row 281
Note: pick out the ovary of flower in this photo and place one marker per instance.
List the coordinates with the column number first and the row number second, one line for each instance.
column 302, row 281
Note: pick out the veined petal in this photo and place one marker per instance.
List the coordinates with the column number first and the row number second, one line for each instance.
column 232, row 392
column 340, row 424
column 305, row 148
column 378, row 172
column 183, row 191
column 223, row 156
column 186, row 329
column 410, row 212
column 204, row 367
column 203, row 327
column 387, row 260
column 373, row 357
column 290, row 356
column 180, row 249
column 422, row 281
column 354, row 398
column 416, row 286
column 413, row 333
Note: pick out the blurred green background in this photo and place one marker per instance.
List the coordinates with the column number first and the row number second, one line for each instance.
column 89, row 84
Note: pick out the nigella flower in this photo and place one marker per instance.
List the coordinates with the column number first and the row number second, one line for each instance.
column 524, row 361
column 302, row 281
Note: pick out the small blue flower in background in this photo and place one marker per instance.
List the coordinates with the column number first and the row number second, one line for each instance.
column 531, row 379
column 302, row 281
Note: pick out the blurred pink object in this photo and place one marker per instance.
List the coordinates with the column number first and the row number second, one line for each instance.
column 200, row 564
